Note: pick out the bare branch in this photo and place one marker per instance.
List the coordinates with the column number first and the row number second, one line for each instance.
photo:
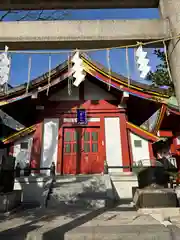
column 5, row 15
column 39, row 15
column 24, row 16
column 42, row 15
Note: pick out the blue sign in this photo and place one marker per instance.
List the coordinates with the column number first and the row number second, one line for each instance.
column 81, row 116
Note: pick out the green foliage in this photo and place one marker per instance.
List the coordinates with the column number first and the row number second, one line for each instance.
column 160, row 77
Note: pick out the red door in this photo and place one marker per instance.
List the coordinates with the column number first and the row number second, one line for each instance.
column 69, row 151
column 81, row 151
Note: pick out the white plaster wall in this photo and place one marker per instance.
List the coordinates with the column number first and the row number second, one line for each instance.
column 93, row 92
column 63, row 95
column 139, row 153
column 23, row 155
column 50, row 142
column 113, row 143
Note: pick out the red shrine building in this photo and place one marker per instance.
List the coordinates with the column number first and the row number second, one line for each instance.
column 106, row 120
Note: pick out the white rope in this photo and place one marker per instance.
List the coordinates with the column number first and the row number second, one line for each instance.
column 69, row 77
column 6, row 86
column 49, row 76
column 135, row 63
column 109, row 68
column 29, row 73
column 127, row 66
column 167, row 62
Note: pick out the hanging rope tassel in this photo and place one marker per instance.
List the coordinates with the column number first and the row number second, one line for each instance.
column 49, row 76
column 69, row 77
column 109, row 69
column 127, row 66
column 6, row 86
column 29, row 73
column 135, row 63
column 167, row 62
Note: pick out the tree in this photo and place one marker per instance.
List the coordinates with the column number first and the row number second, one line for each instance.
column 31, row 15
column 160, row 77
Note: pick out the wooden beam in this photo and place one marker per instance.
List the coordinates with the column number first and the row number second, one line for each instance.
column 75, row 4
column 161, row 133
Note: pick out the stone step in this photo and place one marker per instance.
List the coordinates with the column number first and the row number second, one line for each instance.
column 79, row 204
column 125, row 232
column 165, row 212
column 86, row 191
column 112, row 224
column 108, row 232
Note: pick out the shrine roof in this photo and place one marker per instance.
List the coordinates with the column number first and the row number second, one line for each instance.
column 15, row 136
column 62, row 72
column 142, row 133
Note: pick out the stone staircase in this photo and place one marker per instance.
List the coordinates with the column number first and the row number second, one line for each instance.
column 87, row 191
column 83, row 191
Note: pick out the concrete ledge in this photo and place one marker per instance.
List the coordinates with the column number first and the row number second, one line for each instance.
column 125, row 177
column 155, row 198
column 80, row 34
column 12, row 211
column 163, row 213
column 33, row 188
column 123, row 184
column 10, row 200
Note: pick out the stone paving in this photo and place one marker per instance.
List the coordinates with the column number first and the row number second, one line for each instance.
column 114, row 224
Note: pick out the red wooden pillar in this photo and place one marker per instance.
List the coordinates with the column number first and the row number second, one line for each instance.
column 124, row 142
column 175, row 149
column 60, row 147
column 151, row 154
column 60, row 151
column 173, row 146
column 11, row 149
column 37, row 147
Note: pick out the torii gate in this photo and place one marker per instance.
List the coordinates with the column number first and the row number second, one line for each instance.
column 87, row 34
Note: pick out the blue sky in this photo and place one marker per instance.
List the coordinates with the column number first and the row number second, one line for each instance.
column 19, row 64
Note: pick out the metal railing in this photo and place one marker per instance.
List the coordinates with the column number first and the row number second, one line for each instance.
column 144, row 163
column 28, row 170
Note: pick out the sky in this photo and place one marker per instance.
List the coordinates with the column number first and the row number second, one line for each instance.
column 40, row 62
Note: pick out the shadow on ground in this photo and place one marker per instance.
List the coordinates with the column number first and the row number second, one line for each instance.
column 20, row 224
column 35, row 219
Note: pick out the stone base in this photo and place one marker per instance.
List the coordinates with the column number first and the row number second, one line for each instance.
column 9, row 201
column 155, row 198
